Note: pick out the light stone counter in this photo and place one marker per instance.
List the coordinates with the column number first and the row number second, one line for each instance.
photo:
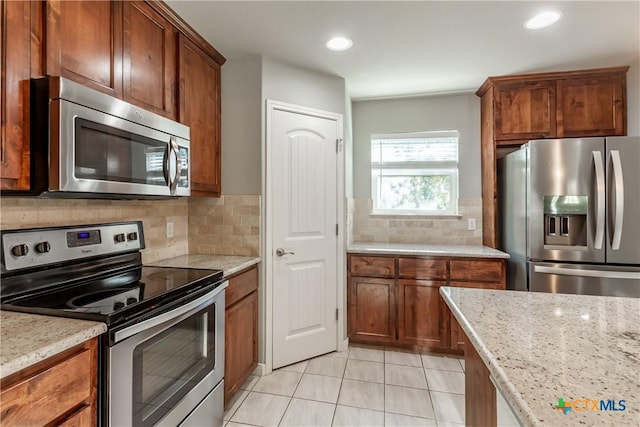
column 26, row 339
column 229, row 264
column 426, row 250
column 540, row 347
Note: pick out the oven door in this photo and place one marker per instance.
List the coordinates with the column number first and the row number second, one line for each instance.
column 100, row 153
column 160, row 370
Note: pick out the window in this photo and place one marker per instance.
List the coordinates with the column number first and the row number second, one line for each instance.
column 415, row 173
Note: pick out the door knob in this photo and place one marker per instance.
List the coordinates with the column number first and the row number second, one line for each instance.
column 282, row 252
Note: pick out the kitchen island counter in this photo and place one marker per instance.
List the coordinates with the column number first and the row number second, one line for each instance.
column 546, row 350
column 229, row 264
column 419, row 249
column 26, row 339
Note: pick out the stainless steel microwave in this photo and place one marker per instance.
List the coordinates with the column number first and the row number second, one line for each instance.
column 88, row 144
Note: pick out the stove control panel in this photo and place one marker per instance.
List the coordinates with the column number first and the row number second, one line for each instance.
column 37, row 247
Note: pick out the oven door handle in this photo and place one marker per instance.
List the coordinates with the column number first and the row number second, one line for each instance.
column 180, row 312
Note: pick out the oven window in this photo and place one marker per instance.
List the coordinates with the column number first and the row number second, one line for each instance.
column 109, row 154
column 168, row 365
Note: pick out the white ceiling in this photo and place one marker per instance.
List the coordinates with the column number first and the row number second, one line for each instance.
column 420, row 47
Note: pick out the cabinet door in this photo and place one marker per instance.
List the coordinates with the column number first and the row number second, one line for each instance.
column 84, row 43
column 149, row 60
column 592, row 106
column 199, row 108
column 14, row 98
column 525, row 110
column 422, row 314
column 372, row 310
column 241, row 343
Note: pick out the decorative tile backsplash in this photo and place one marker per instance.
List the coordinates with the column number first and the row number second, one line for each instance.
column 229, row 225
column 41, row 212
column 412, row 229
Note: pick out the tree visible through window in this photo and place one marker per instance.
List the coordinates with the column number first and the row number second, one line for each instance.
column 415, row 173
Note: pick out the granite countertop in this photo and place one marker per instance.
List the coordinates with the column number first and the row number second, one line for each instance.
column 229, row 264
column 426, row 249
column 26, row 339
column 540, row 347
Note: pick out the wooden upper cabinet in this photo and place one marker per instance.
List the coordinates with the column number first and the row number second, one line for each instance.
column 149, row 60
column 15, row 42
column 84, row 43
column 199, row 108
column 515, row 109
column 592, row 106
column 525, row 110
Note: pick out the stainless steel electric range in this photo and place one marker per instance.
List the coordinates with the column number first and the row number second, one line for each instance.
column 162, row 357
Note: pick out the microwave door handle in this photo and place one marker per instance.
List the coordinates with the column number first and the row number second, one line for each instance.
column 175, row 156
column 165, row 165
column 619, row 186
column 599, row 167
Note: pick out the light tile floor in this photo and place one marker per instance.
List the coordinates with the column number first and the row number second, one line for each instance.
column 364, row 386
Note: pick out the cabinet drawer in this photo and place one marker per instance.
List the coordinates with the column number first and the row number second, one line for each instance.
column 241, row 285
column 421, row 268
column 479, row 285
column 40, row 399
column 372, row 266
column 478, row 270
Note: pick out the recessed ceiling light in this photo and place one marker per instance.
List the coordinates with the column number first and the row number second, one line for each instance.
column 543, row 19
column 339, row 43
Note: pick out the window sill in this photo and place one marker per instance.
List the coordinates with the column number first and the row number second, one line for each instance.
column 414, row 216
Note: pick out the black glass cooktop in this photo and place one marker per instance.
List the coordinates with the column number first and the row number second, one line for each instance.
column 116, row 297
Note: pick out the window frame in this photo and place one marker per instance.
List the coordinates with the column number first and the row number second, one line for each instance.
column 416, row 168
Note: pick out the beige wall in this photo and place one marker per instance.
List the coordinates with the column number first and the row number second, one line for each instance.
column 40, row 212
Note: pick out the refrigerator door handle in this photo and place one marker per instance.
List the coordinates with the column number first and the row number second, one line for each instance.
column 607, row 274
column 619, row 186
column 599, row 166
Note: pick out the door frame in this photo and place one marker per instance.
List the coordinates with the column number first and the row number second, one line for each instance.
column 267, row 235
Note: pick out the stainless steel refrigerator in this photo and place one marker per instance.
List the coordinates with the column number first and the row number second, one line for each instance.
column 570, row 216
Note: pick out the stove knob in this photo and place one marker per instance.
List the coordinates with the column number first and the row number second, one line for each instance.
column 20, row 250
column 43, row 247
column 119, row 238
column 132, row 300
column 132, row 236
column 118, row 305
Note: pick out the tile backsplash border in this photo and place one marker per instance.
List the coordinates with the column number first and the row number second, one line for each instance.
column 364, row 227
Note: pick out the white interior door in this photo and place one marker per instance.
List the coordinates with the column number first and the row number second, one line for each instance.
column 304, row 242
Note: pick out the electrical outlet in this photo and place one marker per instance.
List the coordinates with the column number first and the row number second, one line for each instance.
column 472, row 224
column 169, row 230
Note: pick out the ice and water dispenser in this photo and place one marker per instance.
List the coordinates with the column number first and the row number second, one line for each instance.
column 565, row 220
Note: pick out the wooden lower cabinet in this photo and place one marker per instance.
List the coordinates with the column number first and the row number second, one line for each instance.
column 402, row 305
column 241, row 330
column 372, row 309
column 61, row 390
column 423, row 317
